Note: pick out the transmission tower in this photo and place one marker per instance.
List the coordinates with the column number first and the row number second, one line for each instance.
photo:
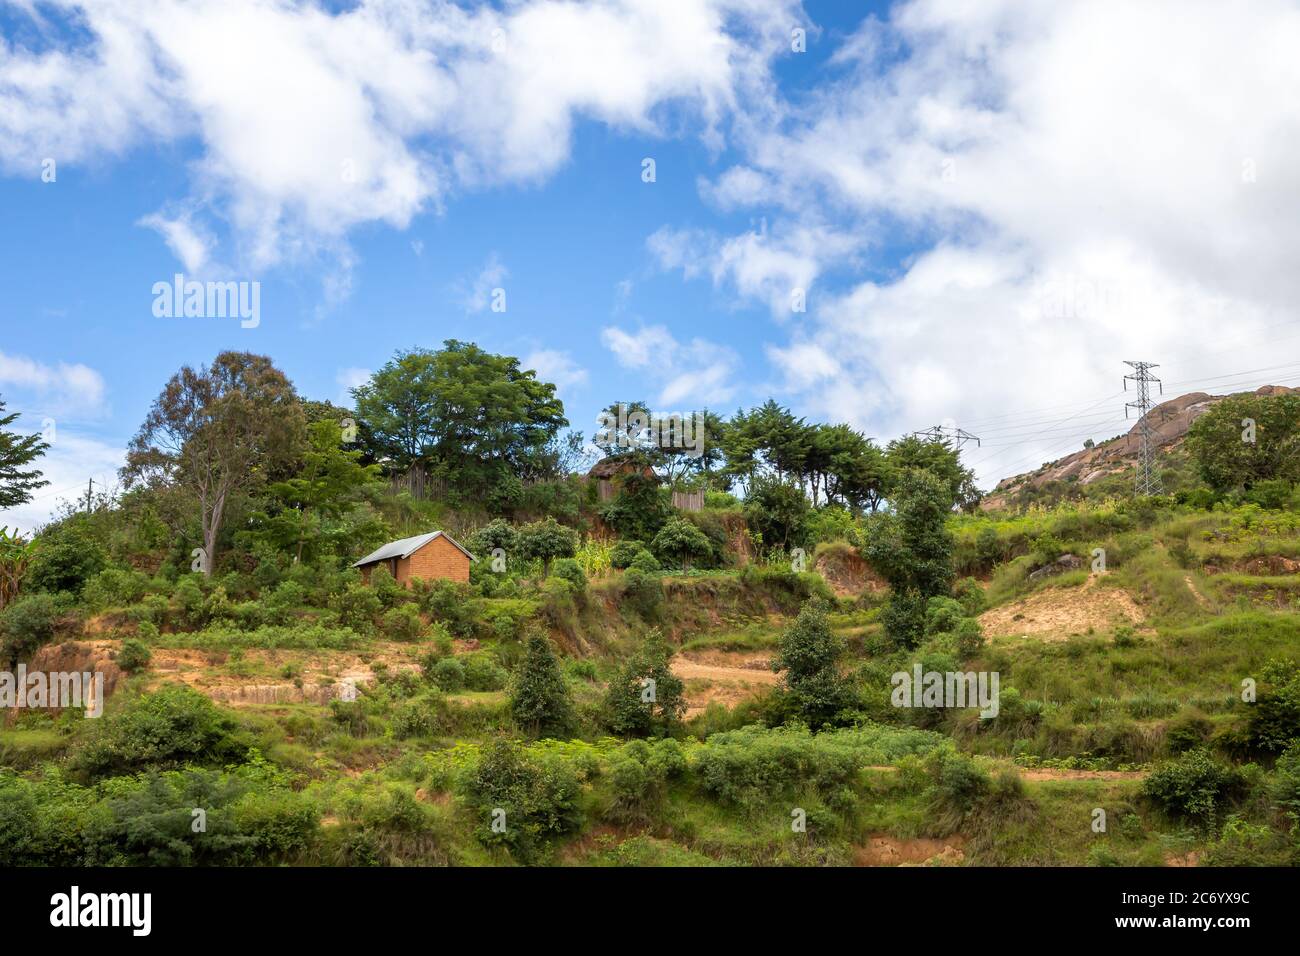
column 1148, row 480
column 956, row 436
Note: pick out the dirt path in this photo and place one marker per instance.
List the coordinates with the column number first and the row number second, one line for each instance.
column 1200, row 598
column 1053, row 773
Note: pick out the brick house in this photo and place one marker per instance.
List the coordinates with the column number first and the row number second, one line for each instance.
column 423, row 557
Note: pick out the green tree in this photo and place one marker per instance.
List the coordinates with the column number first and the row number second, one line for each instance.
column 17, row 482
column 681, row 541
column 219, row 432
column 809, row 653
column 328, row 481
column 778, row 510
column 911, row 547
column 940, row 459
column 26, row 625
column 1246, row 439
column 471, row 416
column 646, row 698
column 539, row 698
column 638, row 510
column 547, row 540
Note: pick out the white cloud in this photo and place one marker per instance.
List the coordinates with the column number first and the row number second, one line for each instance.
column 71, row 460
column 778, row 269
column 695, row 371
column 555, row 367
column 311, row 122
column 188, row 243
column 64, row 388
column 1088, row 182
column 348, row 379
column 476, row 294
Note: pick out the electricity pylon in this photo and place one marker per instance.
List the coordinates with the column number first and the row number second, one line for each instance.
column 957, row 436
column 1147, row 481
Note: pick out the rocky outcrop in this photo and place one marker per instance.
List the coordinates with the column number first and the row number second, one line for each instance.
column 1169, row 424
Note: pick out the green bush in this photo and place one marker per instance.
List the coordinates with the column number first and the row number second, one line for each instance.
column 168, row 728
column 448, row 674
column 25, row 625
column 568, row 569
column 402, row 623
column 621, row 555
column 483, row 673
column 134, row 655
column 531, row 800
column 645, row 562
column 1194, row 786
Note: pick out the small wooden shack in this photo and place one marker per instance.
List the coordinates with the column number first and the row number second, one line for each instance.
column 609, row 472
column 424, row 557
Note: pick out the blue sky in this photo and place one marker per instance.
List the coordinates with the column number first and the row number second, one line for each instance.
column 981, row 239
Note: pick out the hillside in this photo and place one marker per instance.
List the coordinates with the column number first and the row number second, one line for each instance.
column 1117, row 456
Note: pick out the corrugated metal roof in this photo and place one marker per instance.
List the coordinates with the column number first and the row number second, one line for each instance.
column 405, row 547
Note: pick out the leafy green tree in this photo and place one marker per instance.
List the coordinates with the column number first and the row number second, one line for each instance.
column 809, row 653
column 539, row 698
column 850, row 468
column 778, row 510
column 497, row 533
column 219, row 432
column 681, row 542
column 646, row 698
column 65, row 556
column 25, row 625
column 471, row 416
column 547, row 540
column 768, row 439
column 327, row 483
column 535, row 799
column 1220, row 441
column 911, row 547
column 17, row 482
column 638, row 510
column 940, row 459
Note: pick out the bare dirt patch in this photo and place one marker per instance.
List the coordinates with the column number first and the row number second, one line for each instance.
column 1055, row 614
column 722, row 677
column 884, row 850
column 1052, row 773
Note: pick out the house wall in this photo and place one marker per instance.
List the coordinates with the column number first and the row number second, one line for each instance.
column 437, row 559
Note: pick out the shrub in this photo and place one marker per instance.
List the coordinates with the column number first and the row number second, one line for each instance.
column 448, row 674
column 1194, row 786
column 809, row 654
column 170, row 727
column 25, row 625
column 134, row 655
column 547, row 540
column 646, row 697
column 1275, row 717
column 646, row 562
column 643, row 592
column 533, row 799
column 357, row 607
column 681, row 542
column 495, row 534
column 569, row 570
column 402, row 623
column 942, row 615
column 623, row 552
column 539, row 698
column 482, row 673
column 65, row 558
